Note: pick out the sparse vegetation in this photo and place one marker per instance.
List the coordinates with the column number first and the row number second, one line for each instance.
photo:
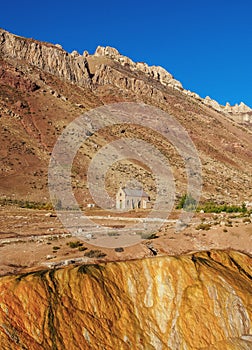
column 82, row 249
column 34, row 205
column 187, row 202
column 147, row 235
column 119, row 249
column 75, row 244
column 203, row 226
column 95, row 254
column 229, row 223
column 113, row 234
column 25, row 204
column 211, row 207
column 246, row 220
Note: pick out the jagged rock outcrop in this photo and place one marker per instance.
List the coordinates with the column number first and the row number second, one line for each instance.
column 106, row 75
column 241, row 108
column 156, row 72
column 240, row 112
column 194, row 302
column 50, row 58
column 74, row 67
column 212, row 103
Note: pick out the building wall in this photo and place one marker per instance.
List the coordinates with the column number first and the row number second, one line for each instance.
column 129, row 202
column 120, row 200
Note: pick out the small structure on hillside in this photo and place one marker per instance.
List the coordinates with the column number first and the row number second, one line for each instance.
column 90, row 205
column 132, row 198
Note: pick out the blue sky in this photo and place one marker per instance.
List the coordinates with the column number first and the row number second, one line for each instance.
column 207, row 45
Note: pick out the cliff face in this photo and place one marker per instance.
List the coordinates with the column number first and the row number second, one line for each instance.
column 241, row 113
column 199, row 301
column 75, row 68
column 49, row 58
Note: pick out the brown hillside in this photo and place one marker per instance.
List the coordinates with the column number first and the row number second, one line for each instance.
column 43, row 88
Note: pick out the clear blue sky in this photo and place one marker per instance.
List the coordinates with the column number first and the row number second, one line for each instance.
column 207, row 45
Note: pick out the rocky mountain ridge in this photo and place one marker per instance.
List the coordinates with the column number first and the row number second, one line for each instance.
column 238, row 111
column 43, row 88
column 48, row 57
column 75, row 68
column 160, row 74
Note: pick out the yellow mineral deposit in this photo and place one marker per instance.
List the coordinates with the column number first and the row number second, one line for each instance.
column 201, row 301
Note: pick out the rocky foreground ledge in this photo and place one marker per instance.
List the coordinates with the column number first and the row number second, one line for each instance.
column 196, row 301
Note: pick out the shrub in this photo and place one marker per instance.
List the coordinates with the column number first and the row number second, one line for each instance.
column 187, row 202
column 82, row 249
column 211, row 207
column 95, row 254
column 203, row 227
column 244, row 208
column 119, row 249
column 26, row 204
column 246, row 220
column 229, row 223
column 113, row 234
column 147, row 235
column 75, row 244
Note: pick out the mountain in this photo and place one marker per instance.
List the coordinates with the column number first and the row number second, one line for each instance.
column 43, row 88
column 194, row 302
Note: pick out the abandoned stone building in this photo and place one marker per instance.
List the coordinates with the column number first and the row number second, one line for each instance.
column 129, row 198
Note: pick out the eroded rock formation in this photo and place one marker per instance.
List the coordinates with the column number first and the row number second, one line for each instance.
column 48, row 57
column 155, row 72
column 75, row 68
column 193, row 302
column 239, row 112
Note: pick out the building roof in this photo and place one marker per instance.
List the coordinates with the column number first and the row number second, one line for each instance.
column 134, row 192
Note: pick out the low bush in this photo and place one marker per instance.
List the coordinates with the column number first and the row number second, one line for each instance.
column 148, row 235
column 74, row 244
column 246, row 220
column 203, row 227
column 113, row 234
column 26, row 204
column 187, row 202
column 229, row 223
column 211, row 207
column 119, row 249
column 95, row 254
column 82, row 249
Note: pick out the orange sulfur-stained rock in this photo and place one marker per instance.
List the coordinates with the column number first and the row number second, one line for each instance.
column 197, row 301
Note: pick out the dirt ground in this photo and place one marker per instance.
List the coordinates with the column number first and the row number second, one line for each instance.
column 35, row 239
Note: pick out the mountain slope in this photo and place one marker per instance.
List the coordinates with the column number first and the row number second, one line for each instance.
column 43, row 88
